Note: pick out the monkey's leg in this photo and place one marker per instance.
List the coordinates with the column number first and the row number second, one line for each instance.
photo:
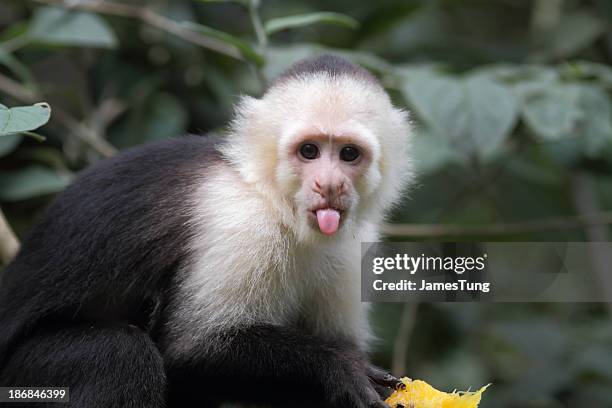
column 272, row 365
column 106, row 366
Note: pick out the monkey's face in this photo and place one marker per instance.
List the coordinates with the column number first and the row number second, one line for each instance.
column 329, row 152
column 328, row 170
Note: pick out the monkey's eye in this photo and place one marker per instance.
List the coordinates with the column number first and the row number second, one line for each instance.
column 309, row 151
column 349, row 153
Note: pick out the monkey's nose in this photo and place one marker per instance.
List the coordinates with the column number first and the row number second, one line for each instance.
column 318, row 188
column 322, row 188
column 329, row 189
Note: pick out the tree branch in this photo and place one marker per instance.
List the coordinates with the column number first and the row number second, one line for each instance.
column 509, row 228
column 152, row 18
column 586, row 202
column 16, row 90
column 9, row 244
column 402, row 339
column 260, row 32
column 545, row 15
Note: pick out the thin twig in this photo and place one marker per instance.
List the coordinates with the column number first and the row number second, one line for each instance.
column 88, row 135
column 106, row 113
column 260, row 32
column 16, row 90
column 545, row 15
column 9, row 244
column 586, row 202
column 11, row 45
column 503, row 228
column 262, row 39
column 152, row 18
column 402, row 339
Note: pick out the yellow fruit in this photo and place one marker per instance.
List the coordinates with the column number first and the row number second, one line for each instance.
column 419, row 394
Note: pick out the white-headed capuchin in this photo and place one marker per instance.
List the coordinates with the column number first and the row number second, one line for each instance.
column 197, row 270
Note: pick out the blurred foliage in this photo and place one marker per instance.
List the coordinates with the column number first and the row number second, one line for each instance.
column 510, row 99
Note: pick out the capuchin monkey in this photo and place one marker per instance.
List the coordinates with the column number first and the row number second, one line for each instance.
column 197, row 270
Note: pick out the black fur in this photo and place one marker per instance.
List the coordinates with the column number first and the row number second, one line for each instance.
column 102, row 258
column 85, row 301
column 332, row 65
column 105, row 365
column 273, row 365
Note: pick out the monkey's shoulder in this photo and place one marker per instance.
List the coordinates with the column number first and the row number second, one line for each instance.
column 152, row 172
column 135, row 197
column 178, row 154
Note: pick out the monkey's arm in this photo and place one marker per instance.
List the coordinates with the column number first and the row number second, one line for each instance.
column 270, row 364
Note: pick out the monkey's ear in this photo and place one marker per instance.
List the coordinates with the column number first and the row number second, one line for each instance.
column 249, row 118
column 252, row 146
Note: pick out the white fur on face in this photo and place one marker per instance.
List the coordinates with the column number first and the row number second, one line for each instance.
column 253, row 259
column 330, row 105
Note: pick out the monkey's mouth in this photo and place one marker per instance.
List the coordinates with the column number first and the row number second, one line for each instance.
column 327, row 219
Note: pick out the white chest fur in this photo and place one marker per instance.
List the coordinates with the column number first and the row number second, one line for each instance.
column 245, row 269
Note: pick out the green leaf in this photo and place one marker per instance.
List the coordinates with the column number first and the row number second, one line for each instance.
column 492, row 114
column 58, row 26
column 438, row 101
column 432, row 151
column 576, row 32
column 30, row 182
column 23, row 118
column 282, row 23
column 540, row 79
column 8, row 143
column 588, row 70
column 410, row 29
column 245, row 48
column 475, row 114
column 524, row 79
column 552, row 113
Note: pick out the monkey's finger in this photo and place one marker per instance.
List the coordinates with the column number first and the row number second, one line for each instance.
column 383, row 391
column 379, row 404
column 374, row 398
column 381, row 377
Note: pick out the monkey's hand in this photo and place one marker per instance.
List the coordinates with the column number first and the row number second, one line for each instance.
column 355, row 383
column 384, row 382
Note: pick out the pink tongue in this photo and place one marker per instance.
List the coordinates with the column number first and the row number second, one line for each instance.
column 329, row 220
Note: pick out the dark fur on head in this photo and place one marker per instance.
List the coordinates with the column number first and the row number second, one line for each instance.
column 332, row 65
